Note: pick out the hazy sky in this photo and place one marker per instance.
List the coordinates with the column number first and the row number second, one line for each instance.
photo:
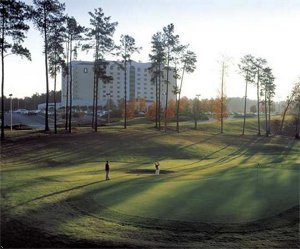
column 234, row 28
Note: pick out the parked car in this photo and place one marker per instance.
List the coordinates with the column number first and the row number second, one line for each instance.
column 33, row 112
column 21, row 111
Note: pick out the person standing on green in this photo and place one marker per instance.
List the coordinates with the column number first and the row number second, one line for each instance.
column 107, row 171
column 157, row 169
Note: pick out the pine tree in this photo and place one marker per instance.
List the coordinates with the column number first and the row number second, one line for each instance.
column 157, row 58
column 125, row 50
column 13, row 16
column 56, row 55
column 100, row 40
column 246, row 69
column 46, row 12
column 74, row 33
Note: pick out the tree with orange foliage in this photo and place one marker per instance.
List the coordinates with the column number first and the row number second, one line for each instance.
column 170, row 112
column 184, row 105
column 217, row 108
column 151, row 112
column 130, row 109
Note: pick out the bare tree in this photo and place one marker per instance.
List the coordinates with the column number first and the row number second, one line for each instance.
column 291, row 98
column 224, row 62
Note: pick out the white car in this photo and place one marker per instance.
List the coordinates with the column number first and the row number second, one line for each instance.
column 21, row 111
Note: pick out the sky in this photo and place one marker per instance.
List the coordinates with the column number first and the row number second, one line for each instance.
column 212, row 28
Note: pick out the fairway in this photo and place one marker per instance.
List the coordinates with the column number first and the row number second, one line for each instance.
column 209, row 182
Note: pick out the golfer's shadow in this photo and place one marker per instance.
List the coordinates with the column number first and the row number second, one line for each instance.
column 148, row 171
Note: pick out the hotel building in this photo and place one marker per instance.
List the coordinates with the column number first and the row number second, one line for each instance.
column 139, row 84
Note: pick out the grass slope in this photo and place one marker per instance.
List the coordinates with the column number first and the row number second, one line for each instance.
column 214, row 191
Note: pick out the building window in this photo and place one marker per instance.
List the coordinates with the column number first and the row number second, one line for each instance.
column 85, row 70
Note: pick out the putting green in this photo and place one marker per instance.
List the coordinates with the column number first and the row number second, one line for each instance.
column 195, row 192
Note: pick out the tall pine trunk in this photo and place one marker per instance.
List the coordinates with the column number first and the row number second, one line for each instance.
column 159, row 97
column 71, row 87
column 167, row 91
column 55, row 120
column 269, row 105
column 47, row 77
column 266, row 114
column 67, row 88
column 284, row 114
column 178, row 102
column 222, row 99
column 245, row 104
column 258, row 100
column 125, row 94
column 94, row 116
column 156, row 97
column 2, row 83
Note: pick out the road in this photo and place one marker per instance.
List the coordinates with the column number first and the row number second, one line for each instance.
column 33, row 121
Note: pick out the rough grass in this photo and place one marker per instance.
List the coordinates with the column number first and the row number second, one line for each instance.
column 216, row 190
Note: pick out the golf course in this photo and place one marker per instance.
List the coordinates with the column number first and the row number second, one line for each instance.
column 214, row 190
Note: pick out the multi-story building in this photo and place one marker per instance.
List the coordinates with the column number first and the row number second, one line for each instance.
column 139, row 84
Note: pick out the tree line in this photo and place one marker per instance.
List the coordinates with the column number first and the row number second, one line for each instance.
column 63, row 38
column 30, row 103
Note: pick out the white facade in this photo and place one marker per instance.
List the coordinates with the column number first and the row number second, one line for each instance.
column 139, row 84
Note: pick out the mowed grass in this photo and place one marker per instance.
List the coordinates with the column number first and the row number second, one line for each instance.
column 56, row 183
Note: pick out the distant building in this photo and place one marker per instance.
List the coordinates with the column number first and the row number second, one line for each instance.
column 139, row 84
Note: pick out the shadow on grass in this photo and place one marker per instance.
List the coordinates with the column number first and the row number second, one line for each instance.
column 149, row 171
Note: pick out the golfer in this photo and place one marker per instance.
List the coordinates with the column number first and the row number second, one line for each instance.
column 107, row 171
column 157, row 168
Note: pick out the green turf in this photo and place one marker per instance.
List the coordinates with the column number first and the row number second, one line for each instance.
column 57, row 182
